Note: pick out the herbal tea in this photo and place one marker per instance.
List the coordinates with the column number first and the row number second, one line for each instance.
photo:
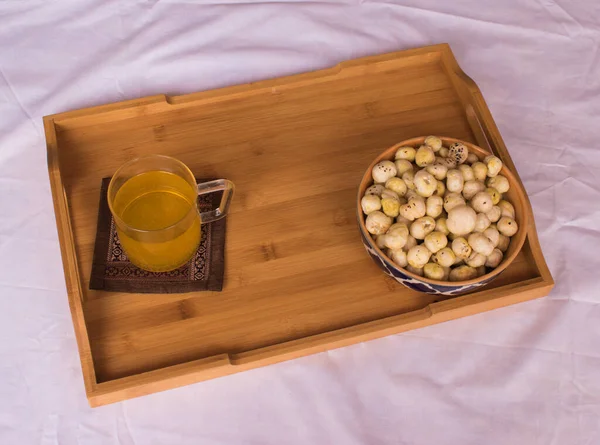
column 160, row 207
column 153, row 202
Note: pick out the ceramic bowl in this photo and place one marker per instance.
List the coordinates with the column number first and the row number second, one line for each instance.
column 516, row 196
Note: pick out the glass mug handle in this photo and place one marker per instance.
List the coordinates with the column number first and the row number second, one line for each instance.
column 216, row 186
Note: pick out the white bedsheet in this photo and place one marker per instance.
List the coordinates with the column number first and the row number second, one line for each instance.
column 527, row 374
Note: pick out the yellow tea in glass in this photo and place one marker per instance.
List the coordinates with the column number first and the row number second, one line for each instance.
column 153, row 201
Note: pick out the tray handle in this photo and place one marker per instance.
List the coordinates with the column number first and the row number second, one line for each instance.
column 478, row 130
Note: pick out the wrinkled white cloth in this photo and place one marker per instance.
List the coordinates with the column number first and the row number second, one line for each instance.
column 526, row 374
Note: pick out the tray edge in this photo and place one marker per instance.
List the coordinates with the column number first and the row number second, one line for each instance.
column 226, row 364
column 164, row 102
column 68, row 256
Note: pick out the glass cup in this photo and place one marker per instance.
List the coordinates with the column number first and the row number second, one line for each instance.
column 153, row 200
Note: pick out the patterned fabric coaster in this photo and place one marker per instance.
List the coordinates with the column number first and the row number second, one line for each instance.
column 112, row 270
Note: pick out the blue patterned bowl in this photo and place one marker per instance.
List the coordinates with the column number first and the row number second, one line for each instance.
column 516, row 195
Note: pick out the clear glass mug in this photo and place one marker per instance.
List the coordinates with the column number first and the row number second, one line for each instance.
column 153, row 200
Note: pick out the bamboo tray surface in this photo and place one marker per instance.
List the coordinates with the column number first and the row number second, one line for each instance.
column 297, row 278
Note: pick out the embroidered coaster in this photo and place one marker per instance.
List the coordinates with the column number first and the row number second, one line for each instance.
column 112, row 270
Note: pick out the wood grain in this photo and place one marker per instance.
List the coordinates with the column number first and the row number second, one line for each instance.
column 297, row 278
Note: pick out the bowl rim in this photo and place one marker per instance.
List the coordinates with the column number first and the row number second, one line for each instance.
column 514, row 182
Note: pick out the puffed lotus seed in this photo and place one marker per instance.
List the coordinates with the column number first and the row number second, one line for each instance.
column 390, row 206
column 399, row 226
column 396, row 185
column 376, row 190
column 448, row 162
column 380, row 241
column 453, row 200
column 414, row 209
column 467, row 172
column 410, row 243
column 454, row 181
column 433, row 271
column 377, row 223
column 370, row 203
column 402, row 220
column 494, row 165
column 503, row 243
column 435, row 241
column 422, row 227
column 445, row 257
column 441, row 226
column 408, row 178
column 443, row 152
column 440, row 188
column 416, row 270
column 482, row 202
column 446, row 273
column 476, row 260
column 434, row 142
column 458, row 262
column 425, row 183
column 463, row 273
column 452, row 236
column 472, row 158
column 434, row 206
column 406, row 152
column 494, row 259
column 407, row 212
column 418, row 256
column 499, row 183
column 480, row 171
column 472, row 187
column 507, row 226
column 387, row 193
column 459, row 152
column 396, row 237
column 494, row 214
column 384, row 170
column 461, row 248
column 403, row 166
column 399, row 257
column 507, row 209
column 461, row 220
column 424, row 156
column 493, row 235
column 495, row 194
column 481, row 223
column 480, row 244
column 412, row 194
column 438, row 170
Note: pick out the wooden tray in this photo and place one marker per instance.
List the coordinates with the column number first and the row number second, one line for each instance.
column 298, row 280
